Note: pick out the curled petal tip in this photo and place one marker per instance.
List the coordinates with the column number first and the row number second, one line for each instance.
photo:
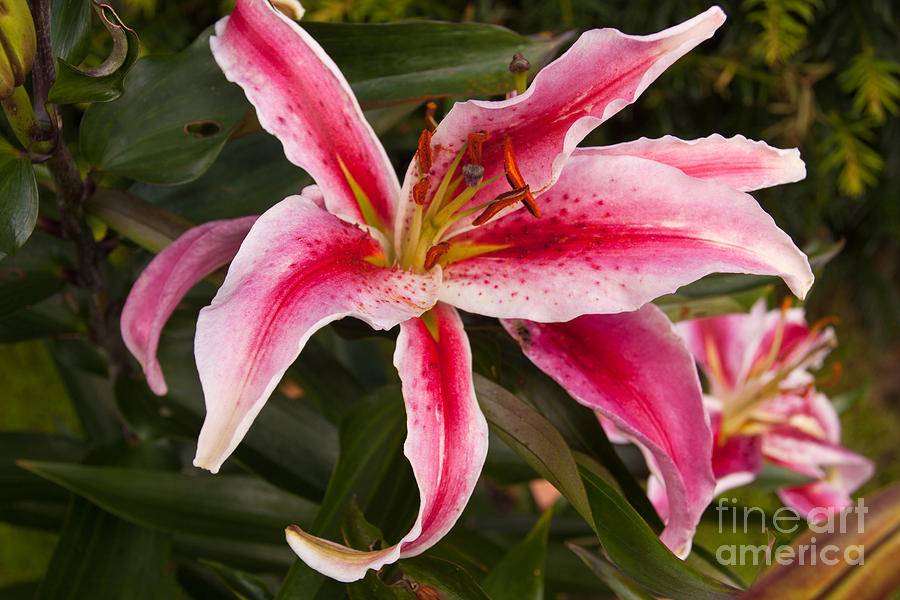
column 202, row 463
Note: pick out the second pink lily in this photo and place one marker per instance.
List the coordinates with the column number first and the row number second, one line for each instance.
column 617, row 227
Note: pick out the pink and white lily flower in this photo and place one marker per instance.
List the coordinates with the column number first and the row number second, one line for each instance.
column 764, row 407
column 606, row 230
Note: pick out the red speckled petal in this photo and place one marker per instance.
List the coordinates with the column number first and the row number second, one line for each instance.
column 743, row 164
column 840, row 471
column 165, row 281
column 298, row 269
column 634, row 370
column 302, row 98
column 603, row 72
column 446, row 444
column 617, row 232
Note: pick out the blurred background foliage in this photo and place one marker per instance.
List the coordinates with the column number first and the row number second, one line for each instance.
column 822, row 75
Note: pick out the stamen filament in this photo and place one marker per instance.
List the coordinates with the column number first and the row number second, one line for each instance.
column 441, row 192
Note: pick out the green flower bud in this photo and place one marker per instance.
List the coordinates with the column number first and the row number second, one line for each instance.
column 17, row 44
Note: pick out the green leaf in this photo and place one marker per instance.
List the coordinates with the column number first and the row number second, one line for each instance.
column 21, row 290
column 249, row 176
column 520, row 574
column 370, row 466
column 19, row 591
column 232, row 507
column 290, row 444
column 392, row 62
column 15, row 482
column 172, row 121
column 106, row 81
column 451, row 581
column 250, row 556
column 624, row 588
column 90, row 393
column 501, row 357
column 101, row 557
column 70, row 29
column 245, row 586
column 532, row 437
column 18, row 198
column 635, row 549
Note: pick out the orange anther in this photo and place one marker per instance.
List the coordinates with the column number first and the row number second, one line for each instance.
column 420, row 190
column 501, row 202
column 435, row 253
column 423, row 154
column 475, row 140
column 513, row 175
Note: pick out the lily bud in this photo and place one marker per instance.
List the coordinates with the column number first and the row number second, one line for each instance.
column 17, row 45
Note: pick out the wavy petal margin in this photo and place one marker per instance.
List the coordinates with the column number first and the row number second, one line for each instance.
column 446, row 444
column 298, row 269
column 302, row 98
column 743, row 164
column 616, row 232
column 604, row 71
column 157, row 292
column 633, row 369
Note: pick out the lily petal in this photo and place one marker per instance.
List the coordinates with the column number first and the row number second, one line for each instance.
column 446, row 443
column 157, row 292
column 302, row 98
column 724, row 346
column 604, row 71
column 743, row 164
column 298, row 269
column 617, row 232
column 634, row 370
column 841, row 471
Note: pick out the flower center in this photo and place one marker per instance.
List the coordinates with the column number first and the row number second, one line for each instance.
column 423, row 246
column 743, row 408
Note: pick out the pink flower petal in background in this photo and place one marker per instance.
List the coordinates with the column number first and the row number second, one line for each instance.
column 302, row 98
column 165, row 281
column 616, row 232
column 839, row 471
column 720, row 345
column 743, row 164
column 446, row 443
column 633, row 369
column 604, row 71
column 298, row 269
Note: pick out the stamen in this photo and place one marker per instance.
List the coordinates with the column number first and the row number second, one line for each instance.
column 515, row 179
column 424, row 154
column 476, row 139
column 473, row 174
column 420, row 190
column 435, row 253
column 499, row 203
column 519, row 67
column 519, row 63
column 836, row 370
column 430, row 121
column 511, row 167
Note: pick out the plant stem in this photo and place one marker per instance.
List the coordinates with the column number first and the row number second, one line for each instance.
column 71, row 194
